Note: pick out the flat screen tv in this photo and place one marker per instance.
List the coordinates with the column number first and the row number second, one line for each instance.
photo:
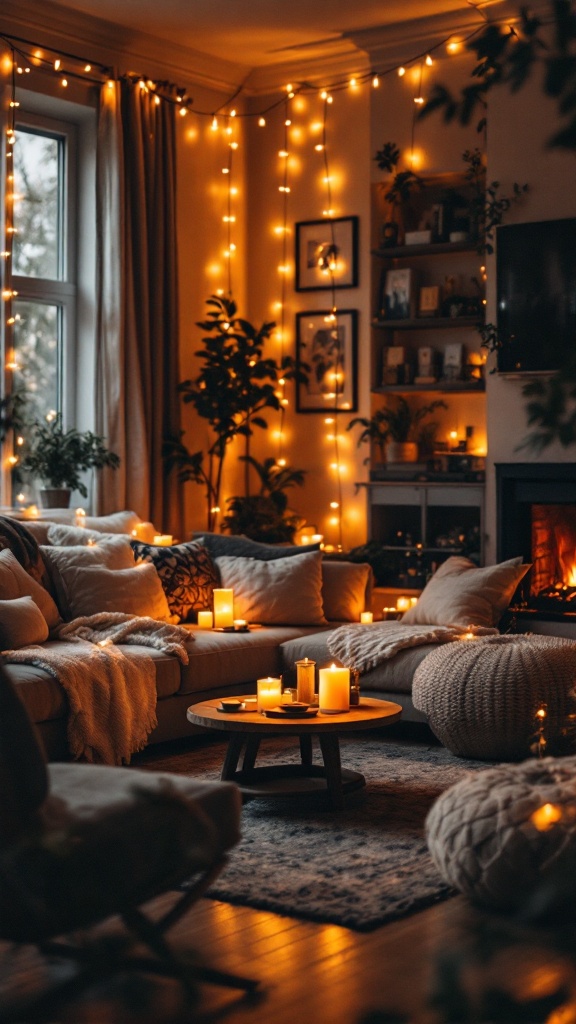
column 536, row 294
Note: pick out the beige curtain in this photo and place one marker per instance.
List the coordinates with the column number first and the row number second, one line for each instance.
column 137, row 341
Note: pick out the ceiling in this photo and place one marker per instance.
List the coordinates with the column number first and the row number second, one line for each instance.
column 260, row 33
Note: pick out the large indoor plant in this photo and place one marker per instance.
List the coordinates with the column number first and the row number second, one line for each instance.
column 235, row 384
column 58, row 457
column 265, row 516
column 397, row 429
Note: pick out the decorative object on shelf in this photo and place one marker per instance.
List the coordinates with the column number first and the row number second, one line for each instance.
column 396, row 426
column 452, row 361
column 328, row 344
column 427, row 359
column 58, row 457
column 326, row 254
column 399, row 294
column 429, row 301
column 396, row 369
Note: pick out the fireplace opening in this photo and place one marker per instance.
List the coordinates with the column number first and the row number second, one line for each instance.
column 553, row 556
column 536, row 518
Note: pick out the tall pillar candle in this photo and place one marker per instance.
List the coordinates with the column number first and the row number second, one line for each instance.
column 334, row 690
column 223, row 608
column 305, row 680
column 268, row 693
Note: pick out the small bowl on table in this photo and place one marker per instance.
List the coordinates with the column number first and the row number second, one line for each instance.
column 231, row 705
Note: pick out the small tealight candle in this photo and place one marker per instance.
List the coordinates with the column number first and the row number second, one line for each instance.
column 80, row 517
column 402, row 604
column 31, row 512
column 205, row 620
column 162, row 540
column 223, row 607
column 239, row 623
column 305, row 680
column 334, row 690
column 268, row 693
column 366, row 617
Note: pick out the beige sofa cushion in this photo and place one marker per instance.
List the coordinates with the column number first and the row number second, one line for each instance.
column 94, row 588
column 283, row 591
column 21, row 624
column 15, row 582
column 461, row 594
column 346, row 590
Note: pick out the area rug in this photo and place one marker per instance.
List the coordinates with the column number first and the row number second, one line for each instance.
column 361, row 868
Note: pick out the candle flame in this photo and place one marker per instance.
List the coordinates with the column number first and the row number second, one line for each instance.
column 545, row 817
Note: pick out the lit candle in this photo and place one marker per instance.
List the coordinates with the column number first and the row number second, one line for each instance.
column 366, row 617
column 268, row 692
column 223, row 607
column 305, row 680
column 80, row 517
column 145, row 532
column 31, row 512
column 287, row 696
column 162, row 540
column 413, row 601
column 205, row 620
column 402, row 604
column 239, row 623
column 334, row 690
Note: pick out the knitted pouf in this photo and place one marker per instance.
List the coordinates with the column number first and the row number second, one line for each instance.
column 506, row 837
column 481, row 695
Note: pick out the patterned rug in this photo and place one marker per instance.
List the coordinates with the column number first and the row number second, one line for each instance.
column 361, row 868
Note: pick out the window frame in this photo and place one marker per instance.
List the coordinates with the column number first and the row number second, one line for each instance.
column 61, row 292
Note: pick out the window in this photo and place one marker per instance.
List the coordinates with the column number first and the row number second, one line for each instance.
column 44, row 263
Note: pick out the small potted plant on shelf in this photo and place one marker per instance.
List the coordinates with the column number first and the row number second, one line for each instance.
column 397, row 429
column 58, row 457
column 397, row 192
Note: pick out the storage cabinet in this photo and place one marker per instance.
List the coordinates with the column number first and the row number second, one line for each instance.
column 427, row 302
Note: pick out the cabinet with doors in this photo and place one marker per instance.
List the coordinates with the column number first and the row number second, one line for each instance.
column 427, row 306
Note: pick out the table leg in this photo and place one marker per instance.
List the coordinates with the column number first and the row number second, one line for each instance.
column 251, row 752
column 235, row 744
column 306, row 749
column 330, row 747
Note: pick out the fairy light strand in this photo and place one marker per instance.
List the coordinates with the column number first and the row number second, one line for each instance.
column 285, row 193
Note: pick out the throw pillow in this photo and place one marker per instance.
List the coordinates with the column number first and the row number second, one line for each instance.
column 65, row 535
column 283, row 591
column 112, row 551
column 220, row 544
column 187, row 574
column 21, row 624
column 15, row 582
column 346, row 590
column 23, row 774
column 91, row 589
column 118, row 522
column 461, row 594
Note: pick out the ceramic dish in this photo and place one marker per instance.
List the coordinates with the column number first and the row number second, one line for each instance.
column 283, row 711
column 231, row 706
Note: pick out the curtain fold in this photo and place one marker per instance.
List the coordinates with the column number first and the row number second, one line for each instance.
column 137, row 368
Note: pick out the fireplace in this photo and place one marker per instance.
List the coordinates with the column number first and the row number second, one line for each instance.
column 536, row 518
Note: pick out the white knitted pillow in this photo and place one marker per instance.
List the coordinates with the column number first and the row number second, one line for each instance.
column 461, row 594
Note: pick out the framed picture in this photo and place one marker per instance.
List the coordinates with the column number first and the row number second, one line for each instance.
column 330, row 348
column 399, row 293
column 326, row 254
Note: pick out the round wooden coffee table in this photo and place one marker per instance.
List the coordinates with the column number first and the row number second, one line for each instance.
column 247, row 728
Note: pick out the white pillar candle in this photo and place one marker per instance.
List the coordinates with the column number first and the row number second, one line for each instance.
column 80, row 517
column 268, row 692
column 334, row 690
column 205, row 620
column 162, row 540
column 305, row 680
column 223, row 607
column 402, row 604
column 366, row 617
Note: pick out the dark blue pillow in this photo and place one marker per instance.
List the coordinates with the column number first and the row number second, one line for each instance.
column 219, row 544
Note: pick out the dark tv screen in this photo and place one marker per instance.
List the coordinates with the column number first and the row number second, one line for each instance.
column 536, row 294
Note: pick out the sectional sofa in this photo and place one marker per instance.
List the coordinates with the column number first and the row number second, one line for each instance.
column 291, row 596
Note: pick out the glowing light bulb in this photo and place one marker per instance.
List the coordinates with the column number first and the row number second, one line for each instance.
column 419, row 99
column 261, row 122
column 334, row 504
column 57, row 64
column 87, row 68
column 214, row 125
column 429, row 60
column 401, row 72
column 280, row 462
column 375, row 82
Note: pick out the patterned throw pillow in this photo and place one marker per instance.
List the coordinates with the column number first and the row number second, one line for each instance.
column 187, row 573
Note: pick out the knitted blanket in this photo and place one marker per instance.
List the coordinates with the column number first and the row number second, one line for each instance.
column 111, row 693
column 363, row 647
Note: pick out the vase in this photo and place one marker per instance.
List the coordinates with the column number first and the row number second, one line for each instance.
column 55, row 497
column 402, row 451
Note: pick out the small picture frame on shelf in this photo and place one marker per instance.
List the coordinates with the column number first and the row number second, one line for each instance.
column 453, row 360
column 399, row 294
column 426, row 365
column 429, row 301
column 396, row 369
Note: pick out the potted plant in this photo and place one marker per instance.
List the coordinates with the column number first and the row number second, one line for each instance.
column 58, row 457
column 396, row 430
column 397, row 193
column 265, row 516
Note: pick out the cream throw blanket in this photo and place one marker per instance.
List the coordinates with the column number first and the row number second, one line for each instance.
column 111, row 692
column 363, row 647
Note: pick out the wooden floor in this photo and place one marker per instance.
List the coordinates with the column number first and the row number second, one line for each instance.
column 324, row 974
